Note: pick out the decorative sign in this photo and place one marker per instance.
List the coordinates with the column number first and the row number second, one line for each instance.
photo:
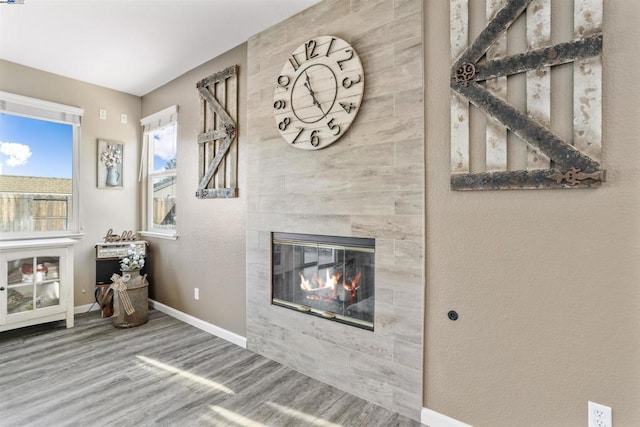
column 479, row 76
column 218, row 161
column 126, row 236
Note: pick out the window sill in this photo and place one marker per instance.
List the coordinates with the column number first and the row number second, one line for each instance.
column 41, row 235
column 34, row 243
column 157, row 235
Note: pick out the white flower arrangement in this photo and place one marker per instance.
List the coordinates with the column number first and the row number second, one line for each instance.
column 133, row 261
column 112, row 156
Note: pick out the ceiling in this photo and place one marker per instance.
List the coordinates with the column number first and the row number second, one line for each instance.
column 132, row 46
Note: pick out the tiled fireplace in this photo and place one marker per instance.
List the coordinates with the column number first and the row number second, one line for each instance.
column 327, row 276
column 335, row 310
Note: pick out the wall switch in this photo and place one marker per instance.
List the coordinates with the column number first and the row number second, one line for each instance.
column 599, row 415
column 123, row 118
column 196, row 294
column 103, row 114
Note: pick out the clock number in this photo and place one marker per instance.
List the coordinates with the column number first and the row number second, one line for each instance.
column 284, row 123
column 300, row 130
column 334, row 127
column 347, row 82
column 315, row 139
column 283, row 81
column 294, row 62
column 350, row 52
column 347, row 107
column 330, row 44
column 280, row 104
column 310, row 49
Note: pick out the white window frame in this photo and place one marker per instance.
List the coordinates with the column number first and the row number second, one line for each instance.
column 19, row 105
column 151, row 124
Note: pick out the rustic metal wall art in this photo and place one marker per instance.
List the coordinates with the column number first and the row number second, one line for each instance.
column 479, row 76
column 217, row 140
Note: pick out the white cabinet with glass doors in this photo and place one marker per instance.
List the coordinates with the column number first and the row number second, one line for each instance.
column 37, row 282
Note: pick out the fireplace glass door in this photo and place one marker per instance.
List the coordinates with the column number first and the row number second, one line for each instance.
column 327, row 276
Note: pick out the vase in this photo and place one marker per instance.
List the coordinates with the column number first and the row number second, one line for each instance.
column 135, row 296
column 113, row 177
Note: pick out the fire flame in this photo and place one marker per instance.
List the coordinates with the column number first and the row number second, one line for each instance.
column 353, row 287
column 327, row 289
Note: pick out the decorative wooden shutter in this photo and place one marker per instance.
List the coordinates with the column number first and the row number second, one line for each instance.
column 479, row 76
column 217, row 140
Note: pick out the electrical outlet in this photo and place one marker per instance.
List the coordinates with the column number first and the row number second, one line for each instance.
column 103, row 114
column 123, row 118
column 196, row 294
column 599, row 415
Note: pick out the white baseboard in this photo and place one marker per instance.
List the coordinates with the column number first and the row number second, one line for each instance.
column 435, row 419
column 200, row 324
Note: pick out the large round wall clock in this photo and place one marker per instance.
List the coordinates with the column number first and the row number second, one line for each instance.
column 318, row 93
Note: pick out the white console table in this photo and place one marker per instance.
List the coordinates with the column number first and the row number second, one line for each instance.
column 36, row 283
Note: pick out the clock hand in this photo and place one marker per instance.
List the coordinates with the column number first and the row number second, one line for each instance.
column 307, row 84
column 313, row 95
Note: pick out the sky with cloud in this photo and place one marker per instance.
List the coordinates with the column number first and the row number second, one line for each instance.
column 164, row 147
column 32, row 147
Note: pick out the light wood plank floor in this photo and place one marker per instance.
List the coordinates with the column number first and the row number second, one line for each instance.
column 164, row 373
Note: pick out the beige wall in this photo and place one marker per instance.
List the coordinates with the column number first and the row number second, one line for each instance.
column 210, row 251
column 547, row 282
column 100, row 209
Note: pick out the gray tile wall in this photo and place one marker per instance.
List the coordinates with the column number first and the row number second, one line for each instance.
column 368, row 184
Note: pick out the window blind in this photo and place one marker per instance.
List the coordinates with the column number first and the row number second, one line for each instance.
column 46, row 110
column 160, row 119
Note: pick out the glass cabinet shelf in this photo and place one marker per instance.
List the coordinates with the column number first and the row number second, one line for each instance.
column 32, row 288
column 39, row 282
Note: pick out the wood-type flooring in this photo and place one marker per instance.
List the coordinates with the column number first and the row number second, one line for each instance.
column 163, row 373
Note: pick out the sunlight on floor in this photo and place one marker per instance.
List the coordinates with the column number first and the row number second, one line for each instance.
column 187, row 375
column 309, row 420
column 236, row 418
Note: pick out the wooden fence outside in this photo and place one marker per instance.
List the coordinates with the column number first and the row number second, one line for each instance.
column 28, row 212
column 164, row 212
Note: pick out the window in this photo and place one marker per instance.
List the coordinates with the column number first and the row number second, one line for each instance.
column 160, row 163
column 39, row 143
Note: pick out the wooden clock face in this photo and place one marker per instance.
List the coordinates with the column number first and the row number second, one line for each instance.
column 318, row 93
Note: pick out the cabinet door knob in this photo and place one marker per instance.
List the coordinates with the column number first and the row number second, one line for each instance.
column 2, row 288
